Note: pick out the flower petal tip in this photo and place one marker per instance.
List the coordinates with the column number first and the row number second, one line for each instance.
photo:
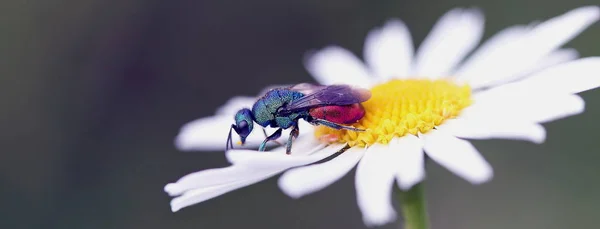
column 593, row 11
column 174, row 208
column 405, row 186
column 180, row 143
column 475, row 12
column 539, row 136
column 394, row 23
column 179, row 203
column 482, row 177
column 472, row 14
column 379, row 220
column 186, row 142
column 587, row 14
column 172, row 189
column 288, row 189
column 292, row 194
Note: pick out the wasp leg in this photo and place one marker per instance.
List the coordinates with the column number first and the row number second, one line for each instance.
column 293, row 135
column 266, row 136
column 229, row 144
column 273, row 137
column 334, row 125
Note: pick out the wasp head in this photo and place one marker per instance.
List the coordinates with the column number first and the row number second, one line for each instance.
column 243, row 123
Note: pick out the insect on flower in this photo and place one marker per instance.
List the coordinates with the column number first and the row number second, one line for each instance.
column 331, row 106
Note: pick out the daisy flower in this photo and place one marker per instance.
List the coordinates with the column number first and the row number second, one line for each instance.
column 425, row 104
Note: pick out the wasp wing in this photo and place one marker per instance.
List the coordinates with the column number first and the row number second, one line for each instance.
column 307, row 88
column 304, row 88
column 327, row 95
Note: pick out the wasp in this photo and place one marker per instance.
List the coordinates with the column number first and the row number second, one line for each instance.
column 282, row 108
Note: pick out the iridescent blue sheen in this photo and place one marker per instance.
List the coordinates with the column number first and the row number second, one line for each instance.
column 266, row 109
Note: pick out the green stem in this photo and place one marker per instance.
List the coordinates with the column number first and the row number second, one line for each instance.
column 413, row 207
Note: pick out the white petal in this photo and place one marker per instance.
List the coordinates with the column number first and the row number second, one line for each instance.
column 557, row 57
column 450, row 40
column 215, row 177
column 249, row 167
column 458, row 156
column 204, row 185
column 234, row 104
column 539, row 42
column 571, row 77
column 248, row 164
column 489, row 58
column 305, row 180
column 374, row 182
column 409, row 160
column 559, row 30
column 337, row 65
column 199, row 195
column 520, row 103
column 499, row 128
column 268, row 159
column 210, row 133
column 389, row 50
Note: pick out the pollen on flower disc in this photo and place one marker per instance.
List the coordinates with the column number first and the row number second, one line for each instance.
column 400, row 107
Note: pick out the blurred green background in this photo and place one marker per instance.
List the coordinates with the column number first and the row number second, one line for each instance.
column 93, row 93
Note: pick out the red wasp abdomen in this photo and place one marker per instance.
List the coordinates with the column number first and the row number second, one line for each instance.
column 339, row 114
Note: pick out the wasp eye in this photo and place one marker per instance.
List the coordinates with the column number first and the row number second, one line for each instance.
column 243, row 128
column 242, row 124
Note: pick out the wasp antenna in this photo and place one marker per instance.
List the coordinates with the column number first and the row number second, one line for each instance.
column 229, row 143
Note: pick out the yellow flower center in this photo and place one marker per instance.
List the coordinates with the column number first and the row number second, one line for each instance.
column 400, row 107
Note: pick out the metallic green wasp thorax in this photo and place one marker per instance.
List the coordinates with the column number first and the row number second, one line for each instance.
column 266, row 109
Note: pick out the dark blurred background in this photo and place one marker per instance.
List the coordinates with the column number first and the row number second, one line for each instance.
column 93, row 93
